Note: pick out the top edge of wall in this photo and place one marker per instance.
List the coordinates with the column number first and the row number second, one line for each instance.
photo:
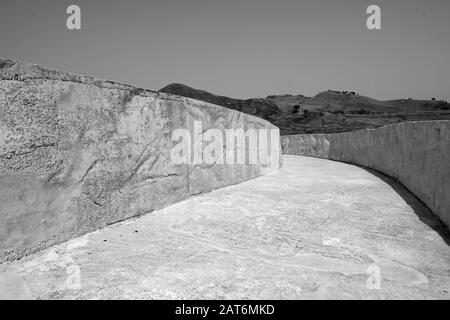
column 15, row 70
column 370, row 129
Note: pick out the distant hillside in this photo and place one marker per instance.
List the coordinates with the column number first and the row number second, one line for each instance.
column 262, row 108
column 327, row 112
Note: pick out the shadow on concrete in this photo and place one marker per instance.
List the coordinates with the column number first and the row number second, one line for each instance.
column 420, row 209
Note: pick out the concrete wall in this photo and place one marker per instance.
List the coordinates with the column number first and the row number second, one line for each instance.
column 77, row 154
column 415, row 153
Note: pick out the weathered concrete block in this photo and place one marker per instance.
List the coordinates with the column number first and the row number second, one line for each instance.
column 77, row 154
column 415, row 153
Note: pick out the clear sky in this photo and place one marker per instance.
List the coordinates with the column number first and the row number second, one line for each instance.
column 241, row 48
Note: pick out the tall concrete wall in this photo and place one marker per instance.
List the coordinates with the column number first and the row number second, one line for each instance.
column 415, row 153
column 77, row 154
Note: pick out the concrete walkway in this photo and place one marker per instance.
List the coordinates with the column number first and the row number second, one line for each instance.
column 313, row 230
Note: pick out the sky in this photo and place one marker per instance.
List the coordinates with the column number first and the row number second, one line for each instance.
column 241, row 48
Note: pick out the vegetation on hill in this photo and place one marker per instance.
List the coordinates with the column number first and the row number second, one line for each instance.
column 262, row 108
column 327, row 112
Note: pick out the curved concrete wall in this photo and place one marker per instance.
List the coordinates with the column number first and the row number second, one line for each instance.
column 415, row 153
column 77, row 154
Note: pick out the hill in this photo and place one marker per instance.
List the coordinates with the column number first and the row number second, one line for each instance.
column 262, row 108
column 327, row 112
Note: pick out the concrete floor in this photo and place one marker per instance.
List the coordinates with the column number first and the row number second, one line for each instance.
column 316, row 230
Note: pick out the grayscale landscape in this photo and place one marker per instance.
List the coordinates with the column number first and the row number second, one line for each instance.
column 241, row 154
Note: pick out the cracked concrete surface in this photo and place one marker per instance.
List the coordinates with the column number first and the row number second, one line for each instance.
column 311, row 231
